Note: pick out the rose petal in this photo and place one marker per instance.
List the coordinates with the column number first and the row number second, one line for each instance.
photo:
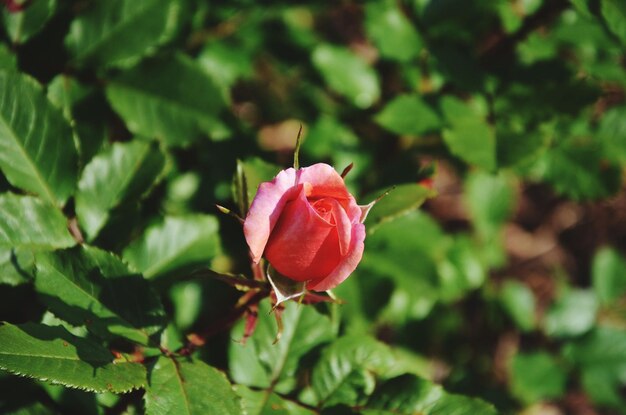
column 265, row 210
column 324, row 208
column 355, row 213
column 344, row 227
column 347, row 264
column 325, row 181
column 303, row 246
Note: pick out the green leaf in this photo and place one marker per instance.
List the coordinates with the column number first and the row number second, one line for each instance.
column 177, row 243
column 298, row 27
column 33, row 408
column 187, row 299
column 225, row 63
column 37, row 152
column 171, row 99
column 391, row 31
column 604, row 387
column 490, row 199
column 462, row 405
column 518, row 300
column 331, row 139
column 469, row 137
column 347, row 74
column 17, row 266
column 516, row 145
column 330, row 135
column 181, row 190
column 120, row 32
column 189, row 386
column 123, row 172
column 265, row 402
column 397, row 253
column 612, row 133
column 53, row 354
column 608, row 273
column 582, row 7
column 65, row 92
column 24, row 24
column 243, row 358
column 409, row 395
column 579, row 169
column 400, row 233
column 600, row 357
column 460, row 270
column 400, row 200
column 29, row 225
column 87, row 286
column 85, row 107
column 8, row 61
column 406, row 361
column 537, row 376
column 604, row 346
column 422, row 264
column 614, row 13
column 304, row 329
column 50, row 319
column 409, row 115
column 346, row 371
column 573, row 313
column 29, row 222
column 392, row 293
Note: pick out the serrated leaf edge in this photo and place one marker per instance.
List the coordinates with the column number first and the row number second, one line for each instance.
column 72, row 385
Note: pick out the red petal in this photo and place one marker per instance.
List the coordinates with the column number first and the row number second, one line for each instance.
column 347, row 264
column 303, row 246
column 344, row 227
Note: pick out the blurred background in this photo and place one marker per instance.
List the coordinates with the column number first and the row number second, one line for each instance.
column 508, row 285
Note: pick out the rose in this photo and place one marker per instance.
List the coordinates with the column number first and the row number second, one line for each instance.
column 308, row 226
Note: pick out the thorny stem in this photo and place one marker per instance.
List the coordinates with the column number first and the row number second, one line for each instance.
column 239, row 282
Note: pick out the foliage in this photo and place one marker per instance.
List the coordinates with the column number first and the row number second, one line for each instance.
column 124, row 290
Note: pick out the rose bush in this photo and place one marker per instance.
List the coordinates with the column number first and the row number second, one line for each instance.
column 308, row 226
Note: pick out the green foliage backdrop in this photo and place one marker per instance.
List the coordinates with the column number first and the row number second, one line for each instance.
column 124, row 290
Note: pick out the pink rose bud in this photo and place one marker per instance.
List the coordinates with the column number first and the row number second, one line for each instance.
column 308, row 226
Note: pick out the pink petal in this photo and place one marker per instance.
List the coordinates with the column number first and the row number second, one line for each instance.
column 347, row 265
column 344, row 227
column 303, row 246
column 353, row 210
column 325, row 181
column 265, row 210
